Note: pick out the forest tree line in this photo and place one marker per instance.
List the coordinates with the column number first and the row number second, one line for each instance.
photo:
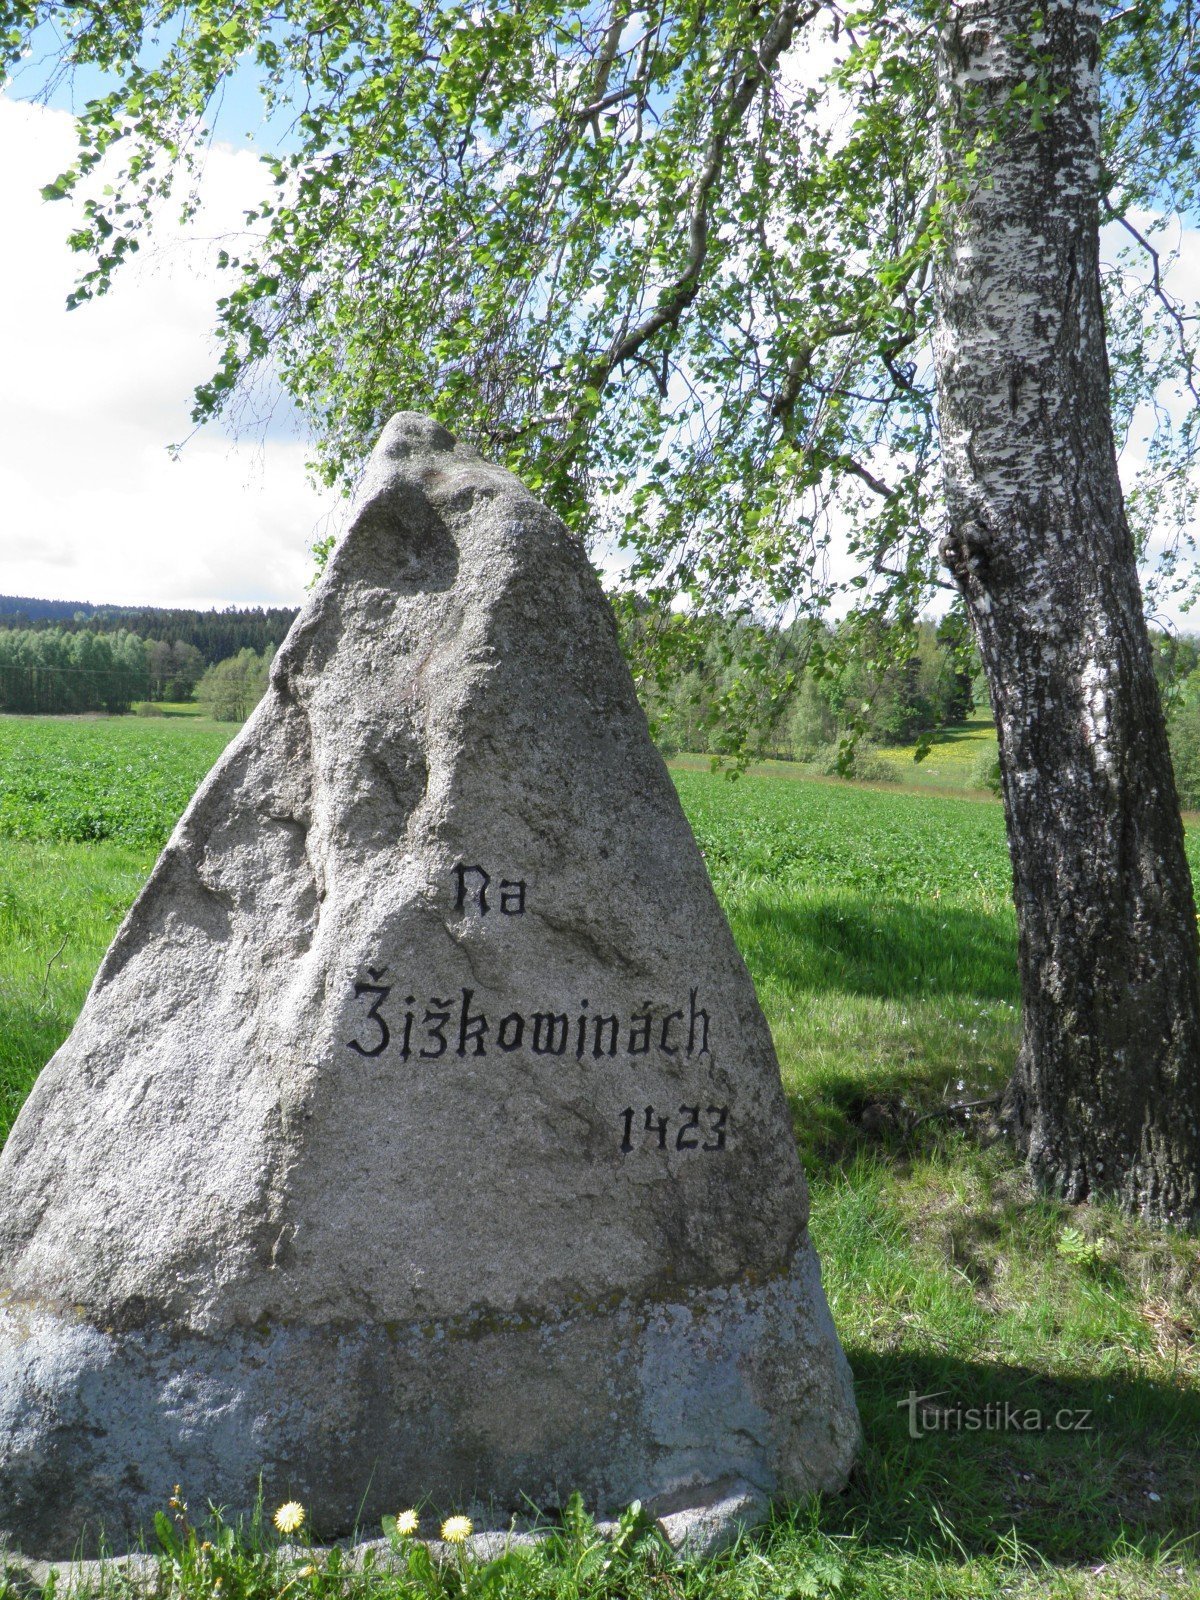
column 64, row 656
column 838, row 702
column 49, row 670
column 814, row 694
column 215, row 635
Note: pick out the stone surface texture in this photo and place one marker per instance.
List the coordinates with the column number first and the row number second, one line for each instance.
column 240, row 1233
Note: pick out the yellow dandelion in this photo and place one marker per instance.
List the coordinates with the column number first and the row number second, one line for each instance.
column 306, row 1572
column 290, row 1517
column 407, row 1524
column 456, row 1529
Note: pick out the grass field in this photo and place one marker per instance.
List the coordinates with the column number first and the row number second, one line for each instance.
column 951, row 761
column 82, row 779
column 878, row 927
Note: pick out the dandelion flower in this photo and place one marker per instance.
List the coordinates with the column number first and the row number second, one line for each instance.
column 407, row 1524
column 290, row 1517
column 456, row 1529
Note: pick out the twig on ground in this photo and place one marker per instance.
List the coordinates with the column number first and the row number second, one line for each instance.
column 956, row 1105
column 49, row 964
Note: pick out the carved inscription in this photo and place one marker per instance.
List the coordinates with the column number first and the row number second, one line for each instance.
column 473, row 884
column 690, row 1133
column 459, row 1025
column 380, row 993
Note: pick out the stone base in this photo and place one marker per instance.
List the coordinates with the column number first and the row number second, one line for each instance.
column 639, row 1400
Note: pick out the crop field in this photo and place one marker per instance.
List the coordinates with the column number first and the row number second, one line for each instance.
column 80, row 779
column 878, row 927
column 85, row 805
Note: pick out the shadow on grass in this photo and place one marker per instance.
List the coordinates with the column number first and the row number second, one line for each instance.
column 848, row 944
column 964, row 733
column 903, row 1117
column 1109, row 1459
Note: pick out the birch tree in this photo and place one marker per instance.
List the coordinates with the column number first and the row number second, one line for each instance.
column 702, row 274
column 1106, row 1093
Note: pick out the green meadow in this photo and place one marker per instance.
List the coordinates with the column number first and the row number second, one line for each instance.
column 950, row 762
column 877, row 923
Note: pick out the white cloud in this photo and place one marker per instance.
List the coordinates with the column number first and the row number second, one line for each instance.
column 91, row 506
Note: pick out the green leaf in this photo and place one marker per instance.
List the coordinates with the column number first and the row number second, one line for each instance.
column 167, row 1535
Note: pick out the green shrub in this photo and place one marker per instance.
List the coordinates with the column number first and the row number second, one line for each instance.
column 866, row 764
column 230, row 690
column 985, row 771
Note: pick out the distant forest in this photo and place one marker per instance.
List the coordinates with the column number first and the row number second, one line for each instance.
column 68, row 656
column 215, row 634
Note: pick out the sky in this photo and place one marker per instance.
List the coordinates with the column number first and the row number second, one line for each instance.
column 92, row 507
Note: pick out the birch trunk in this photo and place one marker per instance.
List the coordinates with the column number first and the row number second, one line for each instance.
column 1105, row 1098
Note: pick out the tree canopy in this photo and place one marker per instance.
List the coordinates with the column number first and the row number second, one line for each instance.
column 53, row 671
column 673, row 262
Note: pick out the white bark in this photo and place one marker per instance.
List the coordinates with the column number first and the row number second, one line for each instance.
column 1106, row 1095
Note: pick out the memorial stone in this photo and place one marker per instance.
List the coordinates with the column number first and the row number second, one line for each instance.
column 421, row 1138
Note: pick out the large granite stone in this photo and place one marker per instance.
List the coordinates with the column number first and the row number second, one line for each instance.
column 421, row 1136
